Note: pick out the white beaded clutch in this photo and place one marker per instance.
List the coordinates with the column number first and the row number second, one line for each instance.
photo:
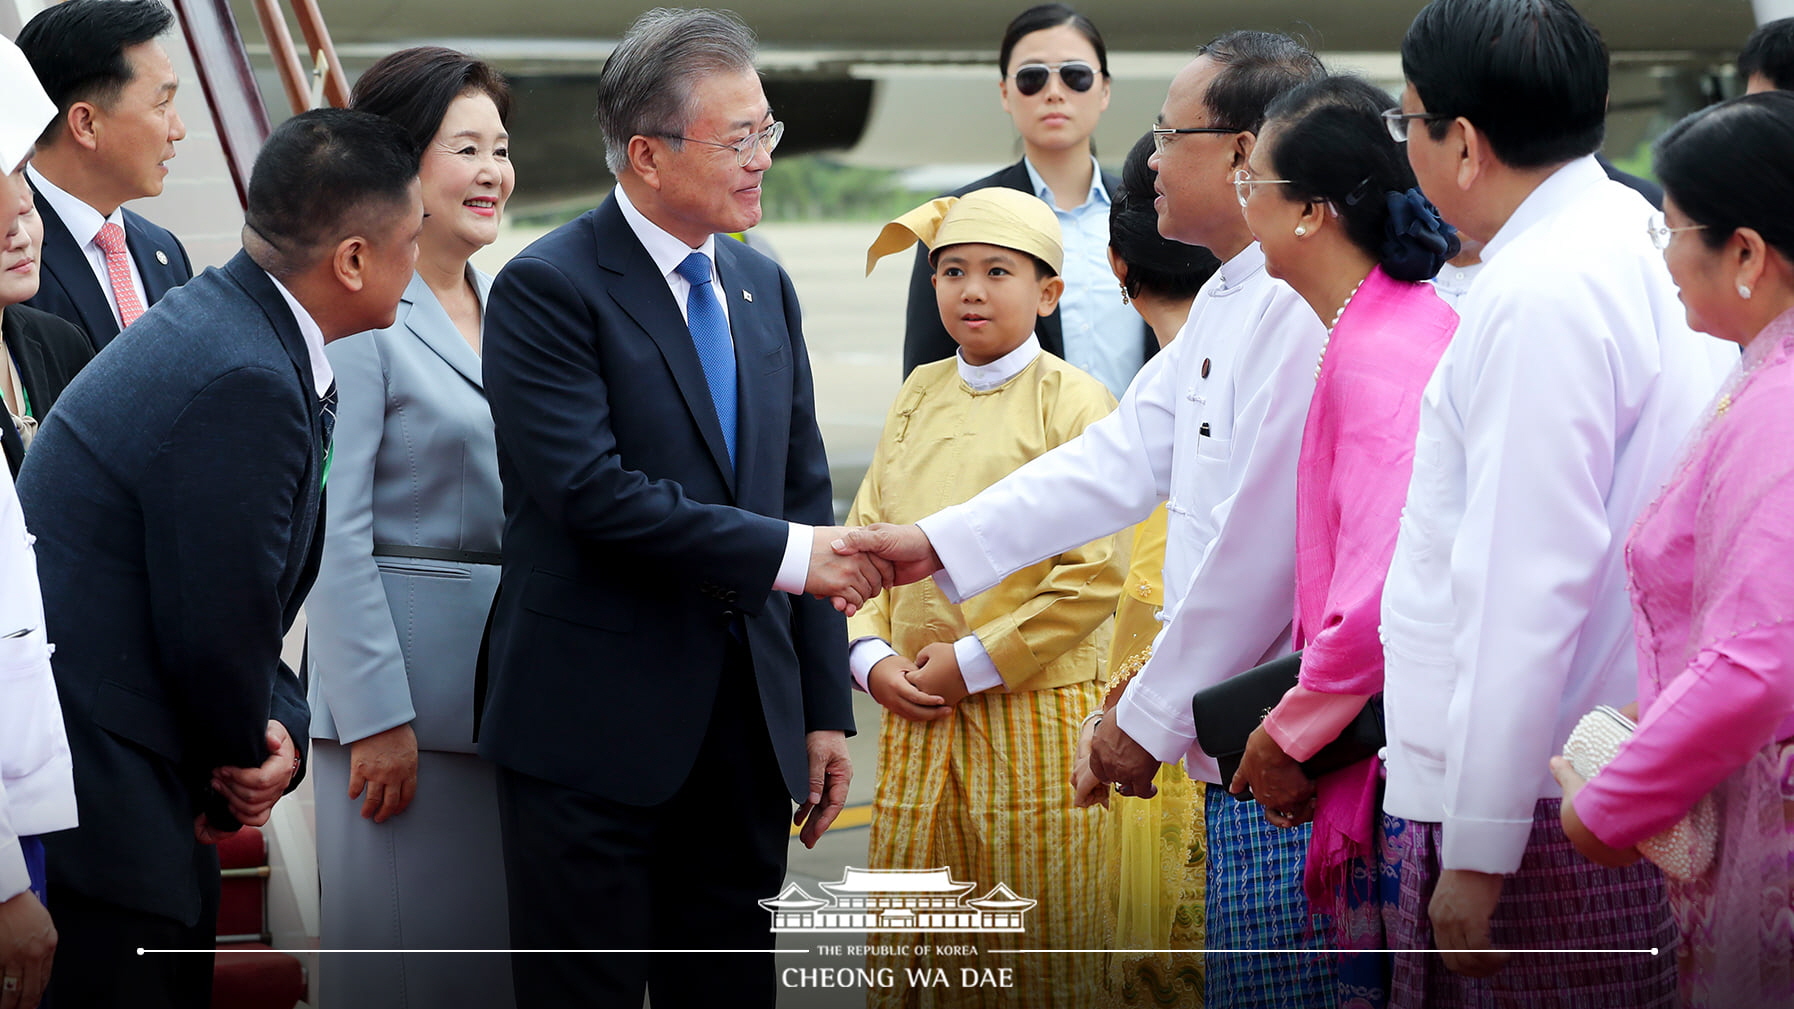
column 1685, row 850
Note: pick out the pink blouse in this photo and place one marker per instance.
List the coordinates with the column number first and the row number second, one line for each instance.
column 1711, row 567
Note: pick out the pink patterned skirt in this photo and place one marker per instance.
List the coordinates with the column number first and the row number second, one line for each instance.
column 1737, row 919
column 1556, row 900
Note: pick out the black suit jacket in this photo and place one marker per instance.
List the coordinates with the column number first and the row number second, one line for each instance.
column 175, row 493
column 633, row 550
column 69, row 289
column 49, row 353
column 925, row 339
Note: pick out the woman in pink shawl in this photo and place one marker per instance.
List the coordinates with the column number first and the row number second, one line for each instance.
column 1329, row 195
column 1711, row 571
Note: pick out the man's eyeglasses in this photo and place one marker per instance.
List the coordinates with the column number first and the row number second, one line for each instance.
column 1661, row 232
column 1161, row 135
column 1243, row 183
column 1031, row 78
column 745, row 147
column 1397, row 121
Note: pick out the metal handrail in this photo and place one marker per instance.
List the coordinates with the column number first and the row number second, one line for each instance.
column 229, row 83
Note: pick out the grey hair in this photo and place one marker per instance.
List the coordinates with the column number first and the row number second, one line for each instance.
column 645, row 88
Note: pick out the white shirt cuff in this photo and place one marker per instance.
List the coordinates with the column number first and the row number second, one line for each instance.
column 865, row 653
column 1492, row 846
column 1157, row 731
column 975, row 665
column 14, row 877
column 956, row 544
column 794, row 570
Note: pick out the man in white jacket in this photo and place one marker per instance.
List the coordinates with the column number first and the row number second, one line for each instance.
column 37, row 789
column 1212, row 426
column 1551, row 420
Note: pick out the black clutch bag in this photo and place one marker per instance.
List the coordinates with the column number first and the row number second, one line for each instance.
column 1228, row 712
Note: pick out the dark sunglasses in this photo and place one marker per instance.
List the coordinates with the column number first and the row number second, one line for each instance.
column 1031, row 78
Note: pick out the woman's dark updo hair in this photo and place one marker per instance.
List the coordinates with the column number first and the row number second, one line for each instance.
column 1332, row 145
column 1728, row 167
column 414, row 88
column 1156, row 265
column 1043, row 16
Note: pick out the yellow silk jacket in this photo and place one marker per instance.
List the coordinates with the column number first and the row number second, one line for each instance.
column 1044, row 626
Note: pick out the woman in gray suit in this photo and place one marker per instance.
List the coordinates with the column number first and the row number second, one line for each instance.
column 408, row 842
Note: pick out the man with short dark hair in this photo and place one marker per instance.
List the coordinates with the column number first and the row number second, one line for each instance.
column 662, row 685
column 1213, row 426
column 1766, row 63
column 102, row 266
column 175, row 493
column 1550, row 422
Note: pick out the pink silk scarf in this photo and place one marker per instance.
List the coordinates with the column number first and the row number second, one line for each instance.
column 1352, row 480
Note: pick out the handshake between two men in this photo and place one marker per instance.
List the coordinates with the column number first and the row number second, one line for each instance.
column 852, row 565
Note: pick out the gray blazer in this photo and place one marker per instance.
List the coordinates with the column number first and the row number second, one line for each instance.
column 396, row 616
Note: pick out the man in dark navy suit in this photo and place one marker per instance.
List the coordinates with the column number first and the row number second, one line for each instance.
column 662, row 687
column 102, row 266
column 175, row 493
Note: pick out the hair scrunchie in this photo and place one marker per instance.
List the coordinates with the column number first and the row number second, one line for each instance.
column 1416, row 241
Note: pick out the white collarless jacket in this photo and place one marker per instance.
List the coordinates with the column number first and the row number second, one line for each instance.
column 1212, row 426
column 1551, row 420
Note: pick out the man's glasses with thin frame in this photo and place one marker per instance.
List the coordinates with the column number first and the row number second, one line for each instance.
column 745, row 147
column 1398, row 122
column 1161, row 135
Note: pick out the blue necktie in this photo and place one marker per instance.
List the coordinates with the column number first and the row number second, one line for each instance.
column 710, row 335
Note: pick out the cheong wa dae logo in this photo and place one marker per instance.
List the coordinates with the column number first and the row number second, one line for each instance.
column 897, row 900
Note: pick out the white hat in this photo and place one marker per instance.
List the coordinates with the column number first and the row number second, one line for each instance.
column 24, row 108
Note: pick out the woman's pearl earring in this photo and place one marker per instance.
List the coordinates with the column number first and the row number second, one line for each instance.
column 1301, row 229
column 1124, row 294
column 1744, row 292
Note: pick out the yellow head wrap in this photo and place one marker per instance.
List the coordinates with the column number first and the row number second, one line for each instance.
column 997, row 216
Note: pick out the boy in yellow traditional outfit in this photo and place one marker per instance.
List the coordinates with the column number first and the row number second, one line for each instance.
column 985, row 697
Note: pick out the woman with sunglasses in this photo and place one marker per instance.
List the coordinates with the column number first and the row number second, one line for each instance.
column 1332, row 201
column 1055, row 86
column 1712, row 590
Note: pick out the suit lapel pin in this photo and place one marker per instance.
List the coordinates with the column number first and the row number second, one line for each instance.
column 161, row 257
column 747, row 296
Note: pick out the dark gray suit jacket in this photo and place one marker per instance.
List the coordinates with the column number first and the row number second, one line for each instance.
column 175, row 493
column 69, row 289
column 633, row 549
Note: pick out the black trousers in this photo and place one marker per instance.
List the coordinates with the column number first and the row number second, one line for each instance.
column 97, row 965
column 587, row 873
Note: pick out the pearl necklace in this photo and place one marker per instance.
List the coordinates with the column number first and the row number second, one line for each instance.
column 1331, row 326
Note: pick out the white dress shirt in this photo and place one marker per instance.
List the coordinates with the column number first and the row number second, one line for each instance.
column 668, row 252
column 37, row 783
column 976, row 667
column 84, row 224
column 321, row 375
column 1453, row 282
column 1551, row 420
column 1212, row 425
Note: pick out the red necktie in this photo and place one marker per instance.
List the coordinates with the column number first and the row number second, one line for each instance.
column 111, row 240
